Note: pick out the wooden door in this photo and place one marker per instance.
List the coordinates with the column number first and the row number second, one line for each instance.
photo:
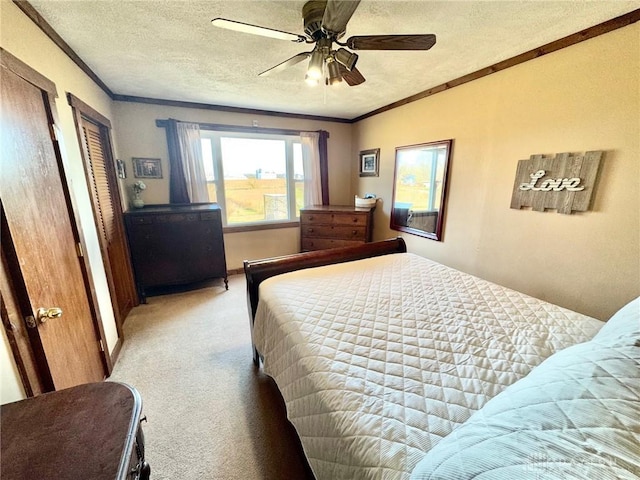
column 105, row 196
column 43, row 244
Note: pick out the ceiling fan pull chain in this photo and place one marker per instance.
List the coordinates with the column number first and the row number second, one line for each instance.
column 326, row 84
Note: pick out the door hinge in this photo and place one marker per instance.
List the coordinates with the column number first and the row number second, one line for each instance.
column 53, row 133
column 30, row 320
column 79, row 250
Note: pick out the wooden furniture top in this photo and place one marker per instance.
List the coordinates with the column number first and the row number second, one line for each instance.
column 174, row 208
column 336, row 208
column 86, row 431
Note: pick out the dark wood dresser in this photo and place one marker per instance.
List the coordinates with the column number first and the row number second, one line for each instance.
column 331, row 226
column 90, row 431
column 175, row 245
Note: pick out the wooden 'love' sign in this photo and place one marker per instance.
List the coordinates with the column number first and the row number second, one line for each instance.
column 564, row 183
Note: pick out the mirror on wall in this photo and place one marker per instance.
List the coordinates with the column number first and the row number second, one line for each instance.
column 419, row 188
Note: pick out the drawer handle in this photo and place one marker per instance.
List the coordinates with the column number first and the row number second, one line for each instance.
column 310, row 230
column 355, row 219
column 355, row 232
column 310, row 217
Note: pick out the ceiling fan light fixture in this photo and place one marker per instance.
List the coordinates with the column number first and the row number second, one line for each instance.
column 334, row 72
column 325, row 23
column 312, row 82
column 315, row 65
column 346, row 58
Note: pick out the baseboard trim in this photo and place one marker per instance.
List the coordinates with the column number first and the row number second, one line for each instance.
column 116, row 352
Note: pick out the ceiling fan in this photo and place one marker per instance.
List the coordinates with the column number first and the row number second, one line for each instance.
column 325, row 23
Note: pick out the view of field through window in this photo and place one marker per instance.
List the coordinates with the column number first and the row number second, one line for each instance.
column 254, row 173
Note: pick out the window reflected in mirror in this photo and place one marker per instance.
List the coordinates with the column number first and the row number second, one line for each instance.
column 419, row 188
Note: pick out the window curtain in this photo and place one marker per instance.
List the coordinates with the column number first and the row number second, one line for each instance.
column 324, row 166
column 311, row 168
column 192, row 165
column 177, row 182
column 187, row 181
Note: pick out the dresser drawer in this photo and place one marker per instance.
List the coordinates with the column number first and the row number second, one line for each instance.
column 138, row 467
column 141, row 220
column 338, row 231
column 333, row 218
column 324, row 243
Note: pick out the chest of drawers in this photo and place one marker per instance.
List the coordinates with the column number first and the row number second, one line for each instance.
column 332, row 226
column 176, row 245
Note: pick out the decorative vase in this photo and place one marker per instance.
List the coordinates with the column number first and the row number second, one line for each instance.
column 137, row 202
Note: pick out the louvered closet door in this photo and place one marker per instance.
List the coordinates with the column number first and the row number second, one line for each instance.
column 109, row 221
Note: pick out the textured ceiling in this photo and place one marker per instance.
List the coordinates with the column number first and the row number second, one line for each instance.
column 169, row 49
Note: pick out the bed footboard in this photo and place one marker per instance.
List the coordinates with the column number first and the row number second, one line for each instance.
column 256, row 271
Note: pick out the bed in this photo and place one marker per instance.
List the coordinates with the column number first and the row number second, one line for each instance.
column 385, row 359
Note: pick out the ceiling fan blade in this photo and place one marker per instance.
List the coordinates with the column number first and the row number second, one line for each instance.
column 353, row 77
column 256, row 30
column 337, row 14
column 391, row 42
column 286, row 64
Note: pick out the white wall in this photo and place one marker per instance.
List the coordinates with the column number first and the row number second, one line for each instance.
column 11, row 388
column 23, row 39
column 584, row 97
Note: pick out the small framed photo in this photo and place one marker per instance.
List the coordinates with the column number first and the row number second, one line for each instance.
column 121, row 169
column 370, row 163
column 147, row 168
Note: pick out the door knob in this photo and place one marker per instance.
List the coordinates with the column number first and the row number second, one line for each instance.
column 43, row 314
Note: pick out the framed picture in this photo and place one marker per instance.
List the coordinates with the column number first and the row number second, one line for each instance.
column 369, row 163
column 121, row 169
column 147, row 168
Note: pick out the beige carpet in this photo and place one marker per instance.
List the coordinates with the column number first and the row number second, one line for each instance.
column 211, row 414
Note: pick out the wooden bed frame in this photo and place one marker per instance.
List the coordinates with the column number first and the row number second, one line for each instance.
column 256, row 271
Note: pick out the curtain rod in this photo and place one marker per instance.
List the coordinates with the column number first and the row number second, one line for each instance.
column 238, row 128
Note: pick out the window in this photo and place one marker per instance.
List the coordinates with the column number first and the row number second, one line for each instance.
column 255, row 177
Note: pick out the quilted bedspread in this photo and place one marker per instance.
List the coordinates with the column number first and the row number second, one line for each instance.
column 576, row 416
column 378, row 360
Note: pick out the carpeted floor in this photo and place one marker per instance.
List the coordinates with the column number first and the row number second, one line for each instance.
column 211, row 414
